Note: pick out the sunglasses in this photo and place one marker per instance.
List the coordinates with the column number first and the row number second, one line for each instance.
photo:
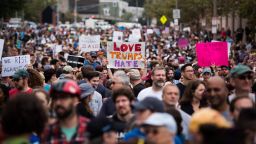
column 243, row 77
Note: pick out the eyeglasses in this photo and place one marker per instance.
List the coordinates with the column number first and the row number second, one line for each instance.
column 243, row 77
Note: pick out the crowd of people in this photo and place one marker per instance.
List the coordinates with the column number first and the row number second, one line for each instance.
column 172, row 100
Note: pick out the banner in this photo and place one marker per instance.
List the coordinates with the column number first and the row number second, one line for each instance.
column 126, row 55
column 118, row 36
column 11, row 64
column 1, row 47
column 75, row 61
column 183, row 43
column 89, row 43
column 212, row 53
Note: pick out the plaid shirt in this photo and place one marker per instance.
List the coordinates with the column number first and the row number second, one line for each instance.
column 54, row 135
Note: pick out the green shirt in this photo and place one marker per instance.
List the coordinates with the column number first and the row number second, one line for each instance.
column 69, row 132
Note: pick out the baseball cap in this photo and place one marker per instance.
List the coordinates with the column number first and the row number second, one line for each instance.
column 239, row 70
column 93, row 54
column 68, row 69
column 150, row 103
column 207, row 70
column 134, row 74
column 65, row 86
column 207, row 116
column 86, row 90
column 162, row 119
column 21, row 73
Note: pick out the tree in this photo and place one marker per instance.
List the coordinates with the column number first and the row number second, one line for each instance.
column 8, row 8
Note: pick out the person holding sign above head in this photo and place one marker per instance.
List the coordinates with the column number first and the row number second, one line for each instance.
column 20, row 79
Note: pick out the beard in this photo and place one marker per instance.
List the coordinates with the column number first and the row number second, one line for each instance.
column 63, row 113
column 159, row 83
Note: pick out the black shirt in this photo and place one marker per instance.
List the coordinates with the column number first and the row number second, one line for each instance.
column 137, row 88
column 81, row 110
column 181, row 88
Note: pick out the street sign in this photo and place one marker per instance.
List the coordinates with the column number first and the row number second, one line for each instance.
column 176, row 13
column 163, row 19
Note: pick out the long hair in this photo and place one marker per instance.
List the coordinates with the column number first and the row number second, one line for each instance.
column 35, row 79
column 190, row 91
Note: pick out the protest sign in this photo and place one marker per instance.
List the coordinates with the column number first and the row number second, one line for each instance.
column 1, row 47
column 89, row 43
column 57, row 49
column 11, row 64
column 118, row 36
column 229, row 46
column 150, row 31
column 135, row 36
column 75, row 61
column 213, row 53
column 126, row 55
column 183, row 43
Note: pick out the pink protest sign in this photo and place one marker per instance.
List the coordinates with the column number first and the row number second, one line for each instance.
column 212, row 53
column 183, row 43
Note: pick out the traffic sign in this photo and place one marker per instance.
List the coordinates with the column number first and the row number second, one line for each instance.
column 163, row 19
column 176, row 13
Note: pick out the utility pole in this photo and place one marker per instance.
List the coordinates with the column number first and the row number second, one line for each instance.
column 75, row 12
column 214, row 16
column 58, row 13
column 176, row 4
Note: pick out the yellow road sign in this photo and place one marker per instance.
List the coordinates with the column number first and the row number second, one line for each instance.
column 163, row 19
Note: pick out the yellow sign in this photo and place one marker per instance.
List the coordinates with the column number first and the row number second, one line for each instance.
column 163, row 19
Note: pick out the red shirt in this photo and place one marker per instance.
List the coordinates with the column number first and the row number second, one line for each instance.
column 15, row 91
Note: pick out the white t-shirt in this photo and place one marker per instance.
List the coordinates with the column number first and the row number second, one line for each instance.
column 148, row 92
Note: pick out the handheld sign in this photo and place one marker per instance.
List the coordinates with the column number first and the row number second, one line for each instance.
column 183, row 43
column 75, row 61
column 118, row 36
column 126, row 55
column 212, row 53
column 11, row 64
column 89, row 43
column 1, row 47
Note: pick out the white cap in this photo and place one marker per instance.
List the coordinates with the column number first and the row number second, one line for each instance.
column 162, row 119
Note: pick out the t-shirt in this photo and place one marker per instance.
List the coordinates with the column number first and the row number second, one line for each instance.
column 69, row 132
column 149, row 92
column 181, row 88
column 137, row 88
column 15, row 91
column 233, row 96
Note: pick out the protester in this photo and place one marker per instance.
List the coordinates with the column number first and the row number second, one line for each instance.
column 123, row 99
column 242, row 80
column 217, row 94
column 69, row 128
column 187, row 73
column 240, row 103
column 158, row 77
column 84, row 108
column 193, row 98
column 20, row 79
column 135, row 79
column 160, row 128
column 23, row 120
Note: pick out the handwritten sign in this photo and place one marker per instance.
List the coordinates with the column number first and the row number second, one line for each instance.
column 183, row 43
column 126, row 55
column 89, row 43
column 118, row 36
column 1, row 47
column 11, row 64
column 213, row 53
column 75, row 61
